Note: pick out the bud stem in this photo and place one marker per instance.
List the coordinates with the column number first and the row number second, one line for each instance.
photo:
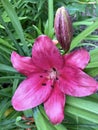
column 50, row 16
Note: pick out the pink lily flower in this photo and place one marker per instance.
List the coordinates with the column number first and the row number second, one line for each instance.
column 51, row 76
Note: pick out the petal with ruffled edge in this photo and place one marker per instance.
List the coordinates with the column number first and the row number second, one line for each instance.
column 45, row 54
column 74, row 82
column 54, row 106
column 22, row 64
column 31, row 92
column 78, row 58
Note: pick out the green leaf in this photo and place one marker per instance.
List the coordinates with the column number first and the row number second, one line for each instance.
column 92, row 71
column 15, row 84
column 41, row 122
column 6, row 44
column 81, row 104
column 92, row 37
column 3, row 93
column 6, row 68
column 11, row 77
column 22, row 124
column 1, row 26
column 75, row 122
column 60, row 127
column 11, row 36
column 38, row 30
column 84, row 34
column 46, row 30
column 28, row 113
column 85, row 109
column 82, row 23
column 94, row 55
column 92, row 65
column 5, row 50
column 81, row 113
column 16, row 23
column 4, row 107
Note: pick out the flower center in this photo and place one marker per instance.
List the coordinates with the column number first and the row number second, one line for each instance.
column 53, row 74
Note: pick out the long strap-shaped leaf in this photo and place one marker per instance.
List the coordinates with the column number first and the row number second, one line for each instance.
column 84, row 34
column 15, row 22
column 20, row 50
column 58, row 126
column 6, row 68
column 89, row 116
column 85, row 109
column 41, row 122
column 83, row 104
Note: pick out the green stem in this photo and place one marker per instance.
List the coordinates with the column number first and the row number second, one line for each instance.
column 50, row 16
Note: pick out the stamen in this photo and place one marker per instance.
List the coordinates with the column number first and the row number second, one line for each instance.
column 43, row 84
column 54, row 69
column 57, row 78
column 41, row 76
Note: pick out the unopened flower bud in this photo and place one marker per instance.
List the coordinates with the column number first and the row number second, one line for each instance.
column 63, row 28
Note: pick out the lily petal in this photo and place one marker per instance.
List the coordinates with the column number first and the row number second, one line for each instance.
column 75, row 82
column 54, row 106
column 78, row 58
column 31, row 92
column 45, row 53
column 22, row 64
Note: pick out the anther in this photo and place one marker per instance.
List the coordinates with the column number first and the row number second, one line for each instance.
column 41, row 76
column 54, row 69
column 57, row 78
column 43, row 84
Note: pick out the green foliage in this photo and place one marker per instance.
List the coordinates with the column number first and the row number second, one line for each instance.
column 21, row 21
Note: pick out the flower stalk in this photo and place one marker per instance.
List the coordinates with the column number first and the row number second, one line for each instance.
column 50, row 16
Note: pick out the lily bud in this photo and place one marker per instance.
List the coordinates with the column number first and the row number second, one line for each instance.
column 63, row 28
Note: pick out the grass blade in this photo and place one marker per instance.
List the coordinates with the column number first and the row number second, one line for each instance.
column 16, row 23
column 84, row 34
